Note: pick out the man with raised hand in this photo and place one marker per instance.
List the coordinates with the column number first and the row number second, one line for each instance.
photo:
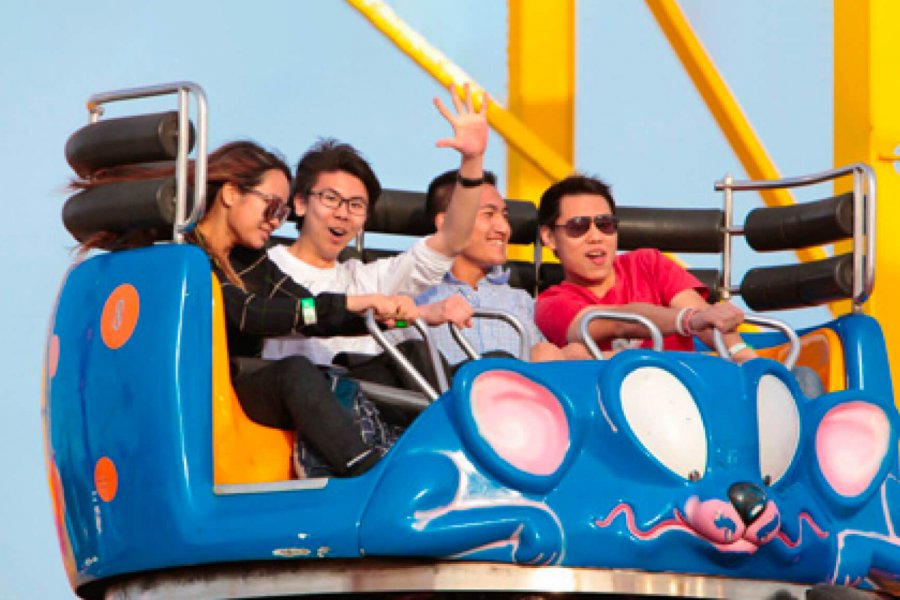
column 333, row 192
column 478, row 276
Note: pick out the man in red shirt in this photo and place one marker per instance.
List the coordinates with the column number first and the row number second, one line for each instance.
column 578, row 222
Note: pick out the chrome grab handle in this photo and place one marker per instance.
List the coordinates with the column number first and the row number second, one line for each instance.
column 463, row 343
column 404, row 363
column 600, row 313
column 864, row 211
column 433, row 353
column 489, row 313
column 793, row 354
column 182, row 223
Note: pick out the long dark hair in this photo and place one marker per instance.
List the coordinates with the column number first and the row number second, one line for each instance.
column 242, row 163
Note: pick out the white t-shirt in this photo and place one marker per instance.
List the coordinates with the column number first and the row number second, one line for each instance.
column 411, row 273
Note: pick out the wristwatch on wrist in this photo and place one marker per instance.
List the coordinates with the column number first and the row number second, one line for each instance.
column 469, row 183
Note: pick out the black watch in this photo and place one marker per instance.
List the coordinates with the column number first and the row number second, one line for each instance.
column 469, row 183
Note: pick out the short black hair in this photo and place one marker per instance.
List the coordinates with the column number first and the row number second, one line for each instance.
column 328, row 155
column 437, row 198
column 574, row 184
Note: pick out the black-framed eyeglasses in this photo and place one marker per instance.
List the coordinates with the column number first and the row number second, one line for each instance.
column 578, row 226
column 276, row 208
column 332, row 199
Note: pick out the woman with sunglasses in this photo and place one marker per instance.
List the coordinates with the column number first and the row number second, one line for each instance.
column 578, row 222
column 247, row 192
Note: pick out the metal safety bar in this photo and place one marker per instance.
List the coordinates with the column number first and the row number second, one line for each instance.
column 433, row 353
column 864, row 204
column 182, row 223
column 600, row 313
column 525, row 341
column 404, row 363
column 793, row 354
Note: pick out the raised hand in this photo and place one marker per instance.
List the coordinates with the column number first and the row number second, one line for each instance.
column 470, row 127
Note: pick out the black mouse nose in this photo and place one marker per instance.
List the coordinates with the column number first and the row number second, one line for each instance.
column 748, row 499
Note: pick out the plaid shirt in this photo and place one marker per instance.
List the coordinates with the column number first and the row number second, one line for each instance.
column 485, row 335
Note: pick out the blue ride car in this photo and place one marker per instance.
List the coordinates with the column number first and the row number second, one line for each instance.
column 682, row 465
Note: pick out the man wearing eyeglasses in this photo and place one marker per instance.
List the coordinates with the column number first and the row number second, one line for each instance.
column 578, row 222
column 334, row 190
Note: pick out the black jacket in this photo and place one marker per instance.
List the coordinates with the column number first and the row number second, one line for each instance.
column 271, row 306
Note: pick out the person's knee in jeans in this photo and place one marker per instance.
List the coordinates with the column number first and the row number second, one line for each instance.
column 809, row 381
column 319, row 418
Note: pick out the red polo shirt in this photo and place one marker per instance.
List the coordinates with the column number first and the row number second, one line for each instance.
column 644, row 275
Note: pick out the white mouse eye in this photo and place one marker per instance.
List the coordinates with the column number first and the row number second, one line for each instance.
column 779, row 427
column 664, row 417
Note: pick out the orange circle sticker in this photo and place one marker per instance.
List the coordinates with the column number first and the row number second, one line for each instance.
column 53, row 355
column 120, row 316
column 106, row 479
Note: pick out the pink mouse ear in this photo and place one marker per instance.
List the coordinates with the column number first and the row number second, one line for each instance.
column 851, row 443
column 522, row 421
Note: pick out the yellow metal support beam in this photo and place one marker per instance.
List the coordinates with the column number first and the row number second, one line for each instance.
column 517, row 135
column 723, row 105
column 867, row 129
column 541, row 86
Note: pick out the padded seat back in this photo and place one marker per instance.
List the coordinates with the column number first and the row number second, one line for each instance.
column 400, row 212
column 243, row 451
column 822, row 351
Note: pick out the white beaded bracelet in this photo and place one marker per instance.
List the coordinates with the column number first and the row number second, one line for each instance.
column 678, row 321
column 737, row 348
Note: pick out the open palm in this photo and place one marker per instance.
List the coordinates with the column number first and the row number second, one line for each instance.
column 470, row 127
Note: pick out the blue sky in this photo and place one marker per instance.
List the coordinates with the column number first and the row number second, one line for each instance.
column 287, row 72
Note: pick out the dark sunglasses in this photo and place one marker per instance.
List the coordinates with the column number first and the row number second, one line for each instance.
column 578, row 226
column 276, row 208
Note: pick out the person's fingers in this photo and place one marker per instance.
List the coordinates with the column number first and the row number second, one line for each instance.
column 468, row 89
column 733, row 311
column 454, row 96
column 724, row 317
column 485, row 98
column 727, row 325
column 446, row 143
column 445, row 112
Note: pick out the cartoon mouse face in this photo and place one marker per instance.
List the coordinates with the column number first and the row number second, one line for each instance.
column 665, row 462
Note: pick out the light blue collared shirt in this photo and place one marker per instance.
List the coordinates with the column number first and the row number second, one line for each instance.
column 485, row 335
